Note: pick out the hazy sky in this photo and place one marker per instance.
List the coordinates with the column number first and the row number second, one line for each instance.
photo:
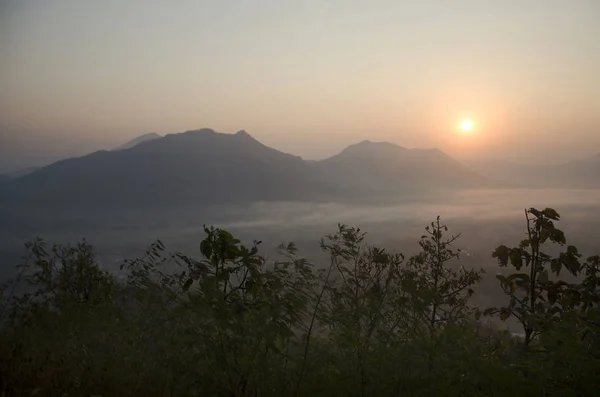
column 305, row 76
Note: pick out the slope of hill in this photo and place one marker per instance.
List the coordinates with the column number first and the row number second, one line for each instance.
column 28, row 170
column 385, row 167
column 199, row 167
column 204, row 167
column 583, row 173
column 22, row 172
column 4, row 178
column 136, row 141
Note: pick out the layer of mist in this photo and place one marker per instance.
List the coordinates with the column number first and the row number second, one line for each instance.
column 485, row 220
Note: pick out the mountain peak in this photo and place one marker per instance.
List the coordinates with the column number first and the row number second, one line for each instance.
column 369, row 143
column 150, row 135
column 136, row 141
column 369, row 148
column 175, row 169
column 244, row 135
column 380, row 144
column 198, row 131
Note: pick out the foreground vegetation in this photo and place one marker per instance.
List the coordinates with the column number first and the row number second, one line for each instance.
column 367, row 323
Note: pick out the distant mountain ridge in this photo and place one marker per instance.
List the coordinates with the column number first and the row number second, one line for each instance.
column 22, row 172
column 583, row 173
column 136, row 141
column 199, row 166
column 386, row 167
column 205, row 167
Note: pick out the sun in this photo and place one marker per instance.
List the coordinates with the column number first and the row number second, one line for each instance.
column 467, row 125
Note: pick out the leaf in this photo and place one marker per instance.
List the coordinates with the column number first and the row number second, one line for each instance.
column 516, row 259
column 556, row 266
column 543, row 277
column 544, row 234
column 206, row 248
column 224, row 234
column 594, row 260
column 504, row 314
column 558, row 236
column 571, row 262
column 524, row 244
column 187, row 284
column 572, row 250
column 501, row 253
column 551, row 213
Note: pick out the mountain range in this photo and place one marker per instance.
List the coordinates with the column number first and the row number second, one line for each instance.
column 204, row 167
column 582, row 173
column 368, row 167
column 138, row 140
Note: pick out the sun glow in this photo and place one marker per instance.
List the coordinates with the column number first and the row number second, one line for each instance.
column 467, row 125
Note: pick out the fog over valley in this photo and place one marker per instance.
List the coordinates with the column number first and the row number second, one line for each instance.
column 168, row 188
column 316, row 198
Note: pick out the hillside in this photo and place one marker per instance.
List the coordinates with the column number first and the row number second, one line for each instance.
column 22, row 172
column 582, row 173
column 199, row 167
column 204, row 167
column 385, row 167
column 136, row 141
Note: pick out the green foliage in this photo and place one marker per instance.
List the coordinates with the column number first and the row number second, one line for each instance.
column 534, row 298
column 367, row 323
column 440, row 292
column 559, row 319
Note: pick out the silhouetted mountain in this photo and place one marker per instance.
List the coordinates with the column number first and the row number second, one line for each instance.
column 199, row 167
column 583, row 173
column 142, row 138
column 22, row 172
column 204, row 167
column 385, row 167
